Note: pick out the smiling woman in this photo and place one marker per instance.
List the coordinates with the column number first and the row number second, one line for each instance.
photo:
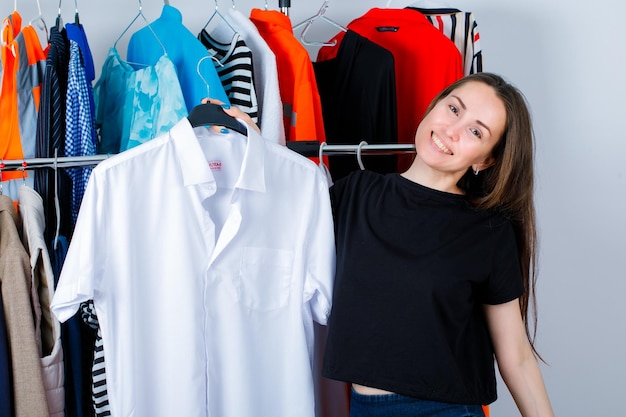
column 458, row 132
column 437, row 265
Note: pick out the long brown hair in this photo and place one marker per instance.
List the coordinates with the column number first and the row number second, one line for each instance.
column 508, row 185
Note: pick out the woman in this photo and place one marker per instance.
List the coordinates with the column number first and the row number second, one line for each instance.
column 435, row 266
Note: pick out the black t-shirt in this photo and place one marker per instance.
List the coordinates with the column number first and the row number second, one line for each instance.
column 414, row 267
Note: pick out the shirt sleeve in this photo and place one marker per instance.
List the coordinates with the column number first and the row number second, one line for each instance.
column 77, row 279
column 505, row 281
column 320, row 254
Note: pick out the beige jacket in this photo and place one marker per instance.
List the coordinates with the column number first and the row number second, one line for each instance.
column 29, row 397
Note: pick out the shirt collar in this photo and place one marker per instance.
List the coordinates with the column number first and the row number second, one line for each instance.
column 196, row 170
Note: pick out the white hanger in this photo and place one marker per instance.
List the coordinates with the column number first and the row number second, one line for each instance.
column 139, row 14
column 39, row 19
column 358, row 154
column 309, row 22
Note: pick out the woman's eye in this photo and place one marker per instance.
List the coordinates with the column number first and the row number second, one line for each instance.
column 453, row 109
column 477, row 133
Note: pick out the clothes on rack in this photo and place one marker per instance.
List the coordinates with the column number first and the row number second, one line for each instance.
column 50, row 135
column 133, row 106
column 253, row 238
column 357, row 90
column 235, row 69
column 47, row 327
column 422, row 68
column 28, row 392
column 460, row 27
column 167, row 35
column 23, row 60
column 265, row 73
column 302, row 110
column 80, row 134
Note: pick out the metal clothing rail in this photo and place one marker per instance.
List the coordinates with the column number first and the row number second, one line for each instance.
column 305, row 148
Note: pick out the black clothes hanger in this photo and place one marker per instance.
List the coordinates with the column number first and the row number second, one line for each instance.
column 210, row 114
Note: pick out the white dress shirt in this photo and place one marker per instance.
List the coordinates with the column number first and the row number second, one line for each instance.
column 208, row 257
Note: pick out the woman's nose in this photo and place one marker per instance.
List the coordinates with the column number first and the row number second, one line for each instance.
column 454, row 131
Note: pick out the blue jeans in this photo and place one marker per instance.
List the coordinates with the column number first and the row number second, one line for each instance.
column 396, row 405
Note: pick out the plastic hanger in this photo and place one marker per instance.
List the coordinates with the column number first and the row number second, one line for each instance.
column 39, row 19
column 309, row 22
column 359, row 160
column 210, row 114
column 139, row 14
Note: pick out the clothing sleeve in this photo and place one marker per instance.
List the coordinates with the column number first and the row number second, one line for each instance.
column 78, row 276
column 320, row 254
column 505, row 282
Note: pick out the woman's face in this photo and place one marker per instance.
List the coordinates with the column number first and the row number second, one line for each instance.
column 461, row 130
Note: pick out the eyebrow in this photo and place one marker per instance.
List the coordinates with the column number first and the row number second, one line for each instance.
column 465, row 108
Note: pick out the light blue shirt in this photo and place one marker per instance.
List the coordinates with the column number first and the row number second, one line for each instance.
column 185, row 51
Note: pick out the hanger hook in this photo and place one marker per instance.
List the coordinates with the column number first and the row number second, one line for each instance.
column 321, row 151
column 358, row 154
column 23, row 169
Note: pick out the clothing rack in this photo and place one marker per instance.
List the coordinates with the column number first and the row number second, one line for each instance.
column 305, row 148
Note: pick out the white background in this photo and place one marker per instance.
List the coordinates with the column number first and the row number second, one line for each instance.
column 569, row 58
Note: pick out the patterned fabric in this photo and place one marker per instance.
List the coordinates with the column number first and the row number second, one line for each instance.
column 79, row 140
column 234, row 67
column 134, row 106
column 461, row 28
column 99, row 393
column 24, row 61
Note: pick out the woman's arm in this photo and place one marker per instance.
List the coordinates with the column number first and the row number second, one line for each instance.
column 516, row 361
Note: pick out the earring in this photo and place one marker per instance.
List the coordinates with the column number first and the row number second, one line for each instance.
column 476, row 171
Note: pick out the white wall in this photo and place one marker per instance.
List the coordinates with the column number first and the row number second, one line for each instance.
column 568, row 58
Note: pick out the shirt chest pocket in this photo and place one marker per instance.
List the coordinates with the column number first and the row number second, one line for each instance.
column 265, row 278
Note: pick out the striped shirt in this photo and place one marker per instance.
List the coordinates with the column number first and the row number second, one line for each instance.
column 462, row 29
column 234, row 67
